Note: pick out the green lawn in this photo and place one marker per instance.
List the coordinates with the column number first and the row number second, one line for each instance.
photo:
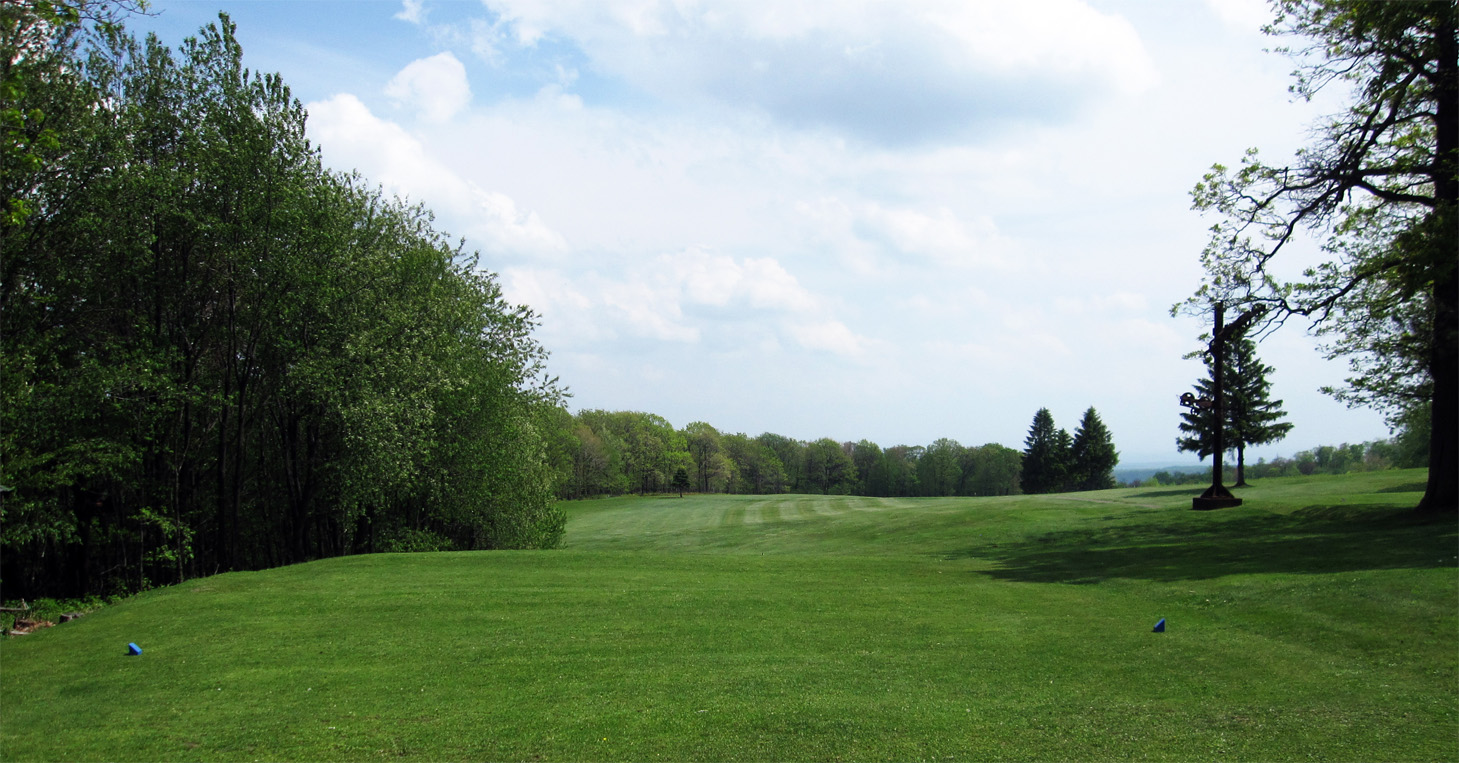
column 1318, row 621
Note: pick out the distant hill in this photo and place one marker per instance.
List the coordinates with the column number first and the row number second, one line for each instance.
column 1130, row 474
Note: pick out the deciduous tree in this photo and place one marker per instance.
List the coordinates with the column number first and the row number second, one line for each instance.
column 1379, row 186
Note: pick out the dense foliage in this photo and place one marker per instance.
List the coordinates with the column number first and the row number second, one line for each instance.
column 617, row 452
column 1378, row 185
column 219, row 355
column 1054, row 462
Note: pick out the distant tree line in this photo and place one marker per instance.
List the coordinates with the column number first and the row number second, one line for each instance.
column 1406, row 451
column 598, row 452
column 219, row 355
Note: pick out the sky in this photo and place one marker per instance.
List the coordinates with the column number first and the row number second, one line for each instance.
column 890, row 220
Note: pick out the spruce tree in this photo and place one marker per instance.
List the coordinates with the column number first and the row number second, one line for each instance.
column 1252, row 417
column 1042, row 472
column 1061, row 469
column 1256, row 419
column 1093, row 454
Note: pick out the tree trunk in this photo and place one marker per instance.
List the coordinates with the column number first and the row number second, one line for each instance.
column 1240, row 466
column 1442, row 492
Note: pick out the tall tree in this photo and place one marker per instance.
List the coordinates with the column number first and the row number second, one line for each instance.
column 217, row 353
column 828, row 468
column 791, row 455
column 1380, row 186
column 940, row 469
column 1255, row 418
column 867, row 456
column 1093, row 457
column 1252, row 417
column 1043, row 459
column 1063, row 462
column 704, row 446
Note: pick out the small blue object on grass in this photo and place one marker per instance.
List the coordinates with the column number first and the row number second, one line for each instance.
column 1160, row 626
column 133, row 650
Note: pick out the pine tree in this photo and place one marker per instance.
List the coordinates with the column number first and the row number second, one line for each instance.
column 1042, row 468
column 1252, row 417
column 1061, row 471
column 1256, row 419
column 681, row 480
column 1093, row 454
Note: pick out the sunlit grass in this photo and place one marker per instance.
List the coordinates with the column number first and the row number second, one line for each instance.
column 1317, row 621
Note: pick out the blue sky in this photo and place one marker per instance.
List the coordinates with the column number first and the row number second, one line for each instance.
column 875, row 219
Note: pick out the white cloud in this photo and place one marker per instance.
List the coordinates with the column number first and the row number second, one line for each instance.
column 435, row 86
column 867, row 234
column 829, row 336
column 889, row 71
column 647, row 310
column 412, row 11
column 938, row 235
column 758, row 282
column 351, row 136
column 693, row 296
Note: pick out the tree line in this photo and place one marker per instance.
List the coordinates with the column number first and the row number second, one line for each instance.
column 597, row 452
column 219, row 355
column 1402, row 452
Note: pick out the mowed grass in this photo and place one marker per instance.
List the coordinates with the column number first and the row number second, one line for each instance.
column 1320, row 621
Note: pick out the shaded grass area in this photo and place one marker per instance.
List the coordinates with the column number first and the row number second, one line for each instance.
column 798, row 627
column 1155, row 546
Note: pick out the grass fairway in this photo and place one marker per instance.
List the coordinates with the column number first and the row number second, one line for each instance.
column 1319, row 621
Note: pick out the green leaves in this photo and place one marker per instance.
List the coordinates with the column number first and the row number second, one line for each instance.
column 1378, row 187
column 220, row 355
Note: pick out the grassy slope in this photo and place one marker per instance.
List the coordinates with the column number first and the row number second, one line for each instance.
column 1317, row 621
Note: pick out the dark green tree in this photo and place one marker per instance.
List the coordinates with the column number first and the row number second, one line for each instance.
column 993, row 469
column 1044, row 461
column 791, row 455
column 1255, row 418
column 1063, row 464
column 1379, row 185
column 1252, row 417
column 867, row 457
column 1093, row 457
column 681, row 480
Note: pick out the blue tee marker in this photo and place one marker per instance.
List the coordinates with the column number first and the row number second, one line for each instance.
column 133, row 650
column 1160, row 626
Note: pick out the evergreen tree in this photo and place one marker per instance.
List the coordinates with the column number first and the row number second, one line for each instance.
column 1061, row 472
column 1252, row 417
column 1093, row 454
column 1042, row 460
column 1256, row 419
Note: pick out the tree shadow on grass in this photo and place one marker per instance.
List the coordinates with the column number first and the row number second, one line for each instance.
column 1170, row 546
column 1190, row 491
